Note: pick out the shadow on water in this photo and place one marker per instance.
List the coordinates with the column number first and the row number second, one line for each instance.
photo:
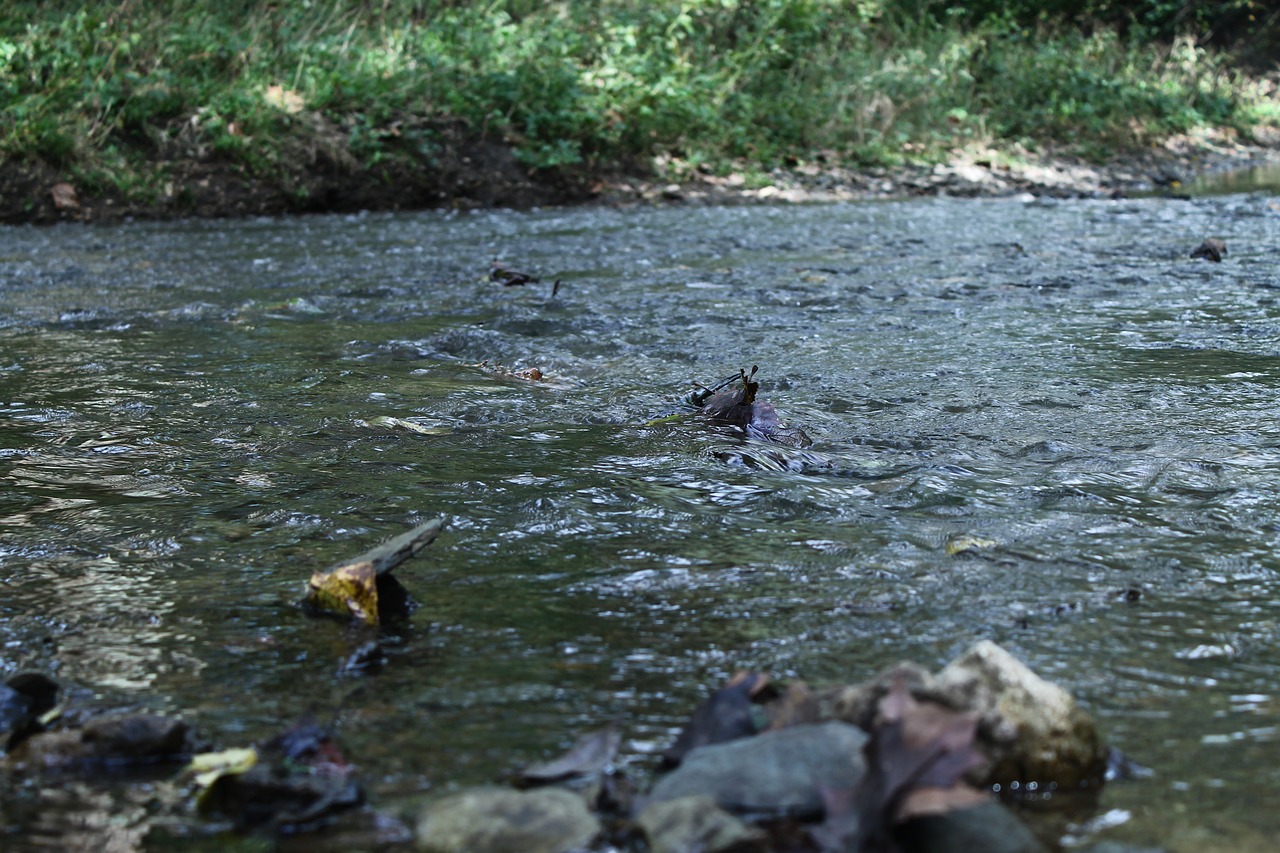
column 1260, row 179
column 195, row 416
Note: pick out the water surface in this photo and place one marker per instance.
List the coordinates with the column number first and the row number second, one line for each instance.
column 193, row 419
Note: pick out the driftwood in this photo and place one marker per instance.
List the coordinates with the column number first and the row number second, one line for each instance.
column 354, row 587
column 396, row 550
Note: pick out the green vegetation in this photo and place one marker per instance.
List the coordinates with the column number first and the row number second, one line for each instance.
column 109, row 92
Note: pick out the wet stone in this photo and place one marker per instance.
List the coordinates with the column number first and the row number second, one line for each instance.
column 991, row 828
column 123, row 739
column 774, row 774
column 697, row 823
column 1031, row 729
column 498, row 820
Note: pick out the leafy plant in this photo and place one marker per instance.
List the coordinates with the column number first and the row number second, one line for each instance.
column 107, row 89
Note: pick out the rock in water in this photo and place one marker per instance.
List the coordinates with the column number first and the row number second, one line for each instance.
column 1031, row 729
column 1211, row 249
column 697, row 823
column 118, row 740
column 991, row 828
column 498, row 820
column 778, row 773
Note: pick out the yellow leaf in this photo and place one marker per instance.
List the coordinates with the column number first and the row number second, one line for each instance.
column 350, row 589
column 208, row 766
column 960, row 544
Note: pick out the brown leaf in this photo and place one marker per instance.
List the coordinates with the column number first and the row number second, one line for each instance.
column 64, row 197
column 732, row 404
column 1211, row 249
column 500, row 272
column 926, row 801
column 917, row 755
column 841, row 828
column 918, row 745
column 796, row 706
column 591, row 754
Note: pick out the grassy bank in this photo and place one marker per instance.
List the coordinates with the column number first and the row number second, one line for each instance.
column 124, row 97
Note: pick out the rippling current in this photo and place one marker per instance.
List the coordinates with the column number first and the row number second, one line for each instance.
column 194, row 416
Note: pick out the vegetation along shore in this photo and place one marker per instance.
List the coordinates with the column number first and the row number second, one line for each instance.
column 189, row 108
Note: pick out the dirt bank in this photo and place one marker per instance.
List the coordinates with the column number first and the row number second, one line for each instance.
column 477, row 175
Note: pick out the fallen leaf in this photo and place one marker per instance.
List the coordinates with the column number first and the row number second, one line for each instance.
column 795, row 707
column 208, row 766
column 591, row 754
column 1211, row 249
column 500, row 272
column 64, row 197
column 926, row 801
column 963, row 543
column 297, row 780
column 917, row 756
column 732, row 405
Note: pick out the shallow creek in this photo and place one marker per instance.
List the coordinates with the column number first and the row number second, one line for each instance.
column 194, row 416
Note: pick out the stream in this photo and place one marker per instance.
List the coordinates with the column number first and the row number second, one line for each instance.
column 196, row 415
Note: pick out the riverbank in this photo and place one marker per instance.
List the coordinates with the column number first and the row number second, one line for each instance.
column 1168, row 167
column 487, row 175
column 133, row 110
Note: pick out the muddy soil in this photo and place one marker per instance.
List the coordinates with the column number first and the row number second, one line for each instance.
column 469, row 174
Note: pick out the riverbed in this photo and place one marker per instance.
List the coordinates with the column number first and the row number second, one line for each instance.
column 1034, row 421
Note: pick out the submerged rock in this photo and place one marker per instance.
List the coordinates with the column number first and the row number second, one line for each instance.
column 774, row 774
column 270, row 795
column 24, row 698
column 113, row 740
column 697, row 823
column 499, row 820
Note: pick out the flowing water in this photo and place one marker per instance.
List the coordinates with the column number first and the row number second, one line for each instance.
column 194, row 416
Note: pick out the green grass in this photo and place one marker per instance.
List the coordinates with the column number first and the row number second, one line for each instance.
column 104, row 91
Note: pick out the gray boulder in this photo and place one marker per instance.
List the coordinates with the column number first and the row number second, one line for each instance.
column 776, row 773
